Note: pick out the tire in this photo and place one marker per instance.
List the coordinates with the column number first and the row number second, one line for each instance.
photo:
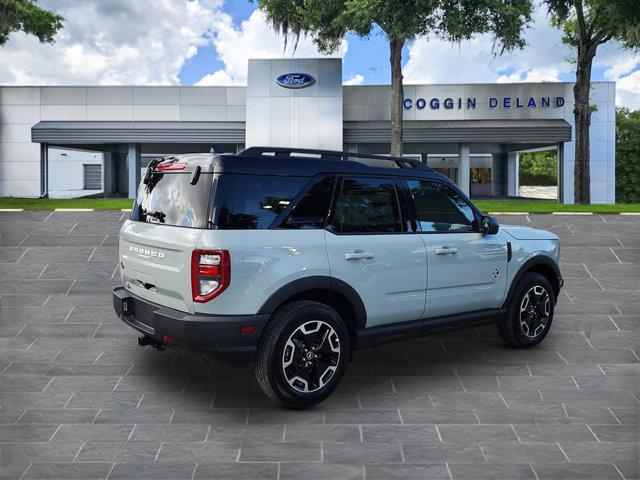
column 528, row 327
column 288, row 368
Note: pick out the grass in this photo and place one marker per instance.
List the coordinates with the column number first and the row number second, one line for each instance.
column 51, row 204
column 542, row 206
column 485, row 205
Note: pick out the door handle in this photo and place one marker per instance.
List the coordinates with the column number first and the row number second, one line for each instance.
column 357, row 255
column 446, row 250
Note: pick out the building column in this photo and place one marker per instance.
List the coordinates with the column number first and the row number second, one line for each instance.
column 513, row 167
column 464, row 152
column 561, row 176
column 133, row 169
column 44, row 170
column 498, row 174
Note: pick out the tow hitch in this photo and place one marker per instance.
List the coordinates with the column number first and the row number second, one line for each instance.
column 144, row 341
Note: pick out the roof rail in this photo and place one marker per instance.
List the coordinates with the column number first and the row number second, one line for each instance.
column 330, row 155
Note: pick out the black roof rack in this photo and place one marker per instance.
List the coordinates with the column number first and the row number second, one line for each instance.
column 330, row 155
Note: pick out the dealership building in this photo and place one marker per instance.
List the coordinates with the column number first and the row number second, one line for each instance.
column 83, row 140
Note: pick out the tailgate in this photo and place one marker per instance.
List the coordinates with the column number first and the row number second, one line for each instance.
column 156, row 263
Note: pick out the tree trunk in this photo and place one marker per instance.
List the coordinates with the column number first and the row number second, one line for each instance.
column 397, row 95
column 582, row 114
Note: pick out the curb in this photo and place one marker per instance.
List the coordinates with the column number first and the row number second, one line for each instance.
column 630, row 213
column 74, row 209
column 508, row 213
column 571, row 213
column 11, row 209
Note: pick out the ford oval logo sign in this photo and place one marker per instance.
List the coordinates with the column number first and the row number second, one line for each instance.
column 295, row 80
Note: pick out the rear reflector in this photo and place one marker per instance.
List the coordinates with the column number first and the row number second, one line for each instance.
column 166, row 339
column 165, row 167
column 248, row 329
column 210, row 274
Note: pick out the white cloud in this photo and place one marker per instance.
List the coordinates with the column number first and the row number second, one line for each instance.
column 436, row 61
column 531, row 75
column 114, row 42
column 545, row 58
column 628, row 91
column 357, row 79
column 625, row 63
column 253, row 39
column 217, row 78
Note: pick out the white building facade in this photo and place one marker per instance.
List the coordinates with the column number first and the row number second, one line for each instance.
column 473, row 133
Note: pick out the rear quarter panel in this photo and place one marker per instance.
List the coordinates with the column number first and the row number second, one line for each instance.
column 262, row 261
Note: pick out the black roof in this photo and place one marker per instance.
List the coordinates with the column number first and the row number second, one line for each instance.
column 301, row 162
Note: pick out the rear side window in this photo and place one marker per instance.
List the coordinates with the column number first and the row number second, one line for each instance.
column 367, row 205
column 439, row 208
column 170, row 199
column 311, row 210
column 253, row 201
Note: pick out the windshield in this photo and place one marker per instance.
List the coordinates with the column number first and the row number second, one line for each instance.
column 170, row 199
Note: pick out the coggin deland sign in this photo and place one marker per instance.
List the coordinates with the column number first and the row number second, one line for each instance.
column 469, row 103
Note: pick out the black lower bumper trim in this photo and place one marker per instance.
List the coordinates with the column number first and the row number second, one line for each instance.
column 214, row 337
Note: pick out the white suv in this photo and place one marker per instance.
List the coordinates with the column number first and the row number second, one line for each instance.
column 294, row 258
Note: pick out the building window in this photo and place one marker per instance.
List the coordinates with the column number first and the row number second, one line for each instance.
column 92, row 175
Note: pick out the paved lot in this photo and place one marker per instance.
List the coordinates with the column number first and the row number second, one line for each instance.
column 80, row 399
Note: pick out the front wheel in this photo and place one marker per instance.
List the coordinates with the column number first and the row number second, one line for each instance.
column 303, row 354
column 530, row 312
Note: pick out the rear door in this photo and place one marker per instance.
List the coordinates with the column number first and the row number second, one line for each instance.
column 156, row 245
column 368, row 248
column 467, row 268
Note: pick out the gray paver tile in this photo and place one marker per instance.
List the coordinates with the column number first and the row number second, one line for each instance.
column 242, row 471
column 76, row 470
column 408, row 472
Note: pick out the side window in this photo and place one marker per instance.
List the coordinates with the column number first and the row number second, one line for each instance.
column 311, row 210
column 439, row 208
column 367, row 205
column 257, row 200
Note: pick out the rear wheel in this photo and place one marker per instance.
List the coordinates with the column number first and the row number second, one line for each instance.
column 303, row 354
column 530, row 312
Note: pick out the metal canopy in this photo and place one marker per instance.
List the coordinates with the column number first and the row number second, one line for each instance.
column 88, row 132
column 452, row 131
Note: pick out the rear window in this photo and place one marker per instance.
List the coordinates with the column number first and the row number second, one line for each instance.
column 253, row 201
column 170, row 199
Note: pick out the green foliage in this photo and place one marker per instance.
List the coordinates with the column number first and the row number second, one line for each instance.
column 327, row 21
column 539, row 168
column 627, row 155
column 27, row 16
column 597, row 21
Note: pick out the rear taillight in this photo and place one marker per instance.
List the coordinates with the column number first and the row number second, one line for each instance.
column 210, row 274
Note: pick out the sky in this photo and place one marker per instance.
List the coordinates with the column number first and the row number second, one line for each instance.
column 208, row 42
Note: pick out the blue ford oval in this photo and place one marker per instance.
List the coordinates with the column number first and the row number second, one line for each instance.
column 295, row 80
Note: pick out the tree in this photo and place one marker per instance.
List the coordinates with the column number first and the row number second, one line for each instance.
column 587, row 24
column 627, row 155
column 27, row 16
column 327, row 21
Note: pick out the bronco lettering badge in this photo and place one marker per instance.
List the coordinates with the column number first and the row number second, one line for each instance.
column 145, row 253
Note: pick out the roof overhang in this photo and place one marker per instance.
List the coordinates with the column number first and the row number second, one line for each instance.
column 58, row 132
column 449, row 131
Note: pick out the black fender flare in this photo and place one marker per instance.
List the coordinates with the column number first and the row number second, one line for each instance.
column 318, row 282
column 526, row 266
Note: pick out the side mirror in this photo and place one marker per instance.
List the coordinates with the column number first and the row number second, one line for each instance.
column 489, row 225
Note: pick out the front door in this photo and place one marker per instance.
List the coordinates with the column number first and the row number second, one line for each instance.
column 467, row 268
column 368, row 249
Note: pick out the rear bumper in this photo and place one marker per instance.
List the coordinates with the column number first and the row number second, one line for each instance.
column 214, row 337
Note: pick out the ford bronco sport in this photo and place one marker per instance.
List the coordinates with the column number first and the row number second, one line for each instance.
column 293, row 258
